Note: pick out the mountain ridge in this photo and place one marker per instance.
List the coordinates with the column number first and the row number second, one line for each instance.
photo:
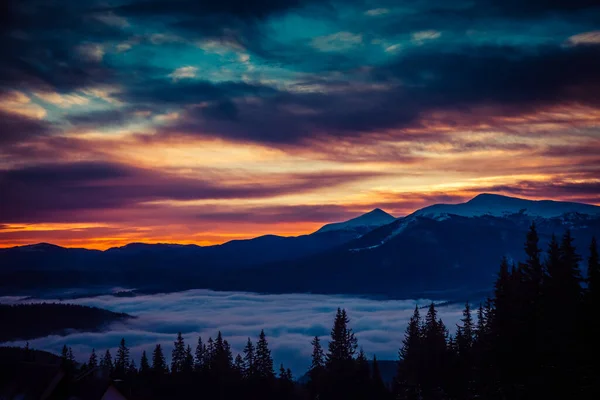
column 432, row 254
column 434, row 210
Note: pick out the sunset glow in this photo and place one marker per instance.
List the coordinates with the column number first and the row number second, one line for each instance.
column 218, row 123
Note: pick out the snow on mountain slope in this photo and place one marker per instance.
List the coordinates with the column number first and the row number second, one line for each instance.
column 501, row 206
column 372, row 219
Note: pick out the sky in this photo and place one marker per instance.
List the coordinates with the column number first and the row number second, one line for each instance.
column 290, row 322
column 195, row 121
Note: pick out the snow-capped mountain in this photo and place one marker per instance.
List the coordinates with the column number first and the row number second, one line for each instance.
column 504, row 206
column 445, row 251
column 368, row 221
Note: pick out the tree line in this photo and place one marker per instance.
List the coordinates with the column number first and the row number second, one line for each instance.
column 534, row 337
column 28, row 321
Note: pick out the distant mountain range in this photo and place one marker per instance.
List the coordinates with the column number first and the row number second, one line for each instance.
column 447, row 251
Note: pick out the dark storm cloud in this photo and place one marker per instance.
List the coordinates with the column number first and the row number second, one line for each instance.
column 163, row 91
column 508, row 80
column 39, row 39
column 36, row 192
column 17, row 128
column 257, row 9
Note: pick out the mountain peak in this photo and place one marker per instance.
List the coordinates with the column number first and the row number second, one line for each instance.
column 373, row 219
column 499, row 206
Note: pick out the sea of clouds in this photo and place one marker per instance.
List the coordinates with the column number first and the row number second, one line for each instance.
column 289, row 320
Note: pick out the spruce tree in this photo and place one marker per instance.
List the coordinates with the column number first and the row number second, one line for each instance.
column 209, row 354
column 131, row 369
column 71, row 357
column 122, row 359
column 239, row 365
column 318, row 356
column 199, row 355
column 343, row 343
column 410, row 366
column 363, row 374
column 570, row 272
column 159, row 363
column 178, row 355
column 263, row 362
column 434, row 353
column 317, row 368
column 93, row 360
column 144, row 364
column 106, row 361
column 64, row 356
column 188, row 360
column 379, row 390
column 249, row 359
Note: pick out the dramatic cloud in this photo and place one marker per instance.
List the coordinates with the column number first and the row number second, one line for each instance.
column 84, row 186
column 165, row 120
column 290, row 321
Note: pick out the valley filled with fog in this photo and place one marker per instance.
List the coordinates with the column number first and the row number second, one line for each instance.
column 289, row 321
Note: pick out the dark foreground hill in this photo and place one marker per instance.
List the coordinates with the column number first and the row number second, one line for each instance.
column 28, row 321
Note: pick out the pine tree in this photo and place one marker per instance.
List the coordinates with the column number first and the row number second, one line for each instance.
column 263, row 362
column 239, row 365
column 467, row 331
column 434, row 353
column 282, row 372
column 131, row 369
column 363, row 373
column 380, row 390
column 178, row 355
column 209, row 354
column 407, row 384
column 93, row 361
column 532, row 271
column 144, row 364
column 71, row 358
column 317, row 368
column 188, row 360
column 64, row 356
column 159, row 364
column 342, row 345
column 106, row 362
column 199, row 355
column 571, row 274
column 122, row 359
column 249, row 359
column 318, row 356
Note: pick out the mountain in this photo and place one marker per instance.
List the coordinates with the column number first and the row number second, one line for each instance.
column 504, row 206
column 363, row 223
column 433, row 254
column 445, row 251
column 146, row 265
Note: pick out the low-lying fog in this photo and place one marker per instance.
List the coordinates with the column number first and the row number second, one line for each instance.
column 289, row 320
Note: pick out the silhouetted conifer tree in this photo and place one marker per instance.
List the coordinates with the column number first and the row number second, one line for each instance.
column 144, row 364
column 93, row 360
column 178, row 355
column 122, row 359
column 379, row 389
column 249, row 358
column 106, row 361
column 410, row 366
column 159, row 363
column 342, row 345
column 263, row 362
column 239, row 365
column 209, row 353
column 131, row 370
